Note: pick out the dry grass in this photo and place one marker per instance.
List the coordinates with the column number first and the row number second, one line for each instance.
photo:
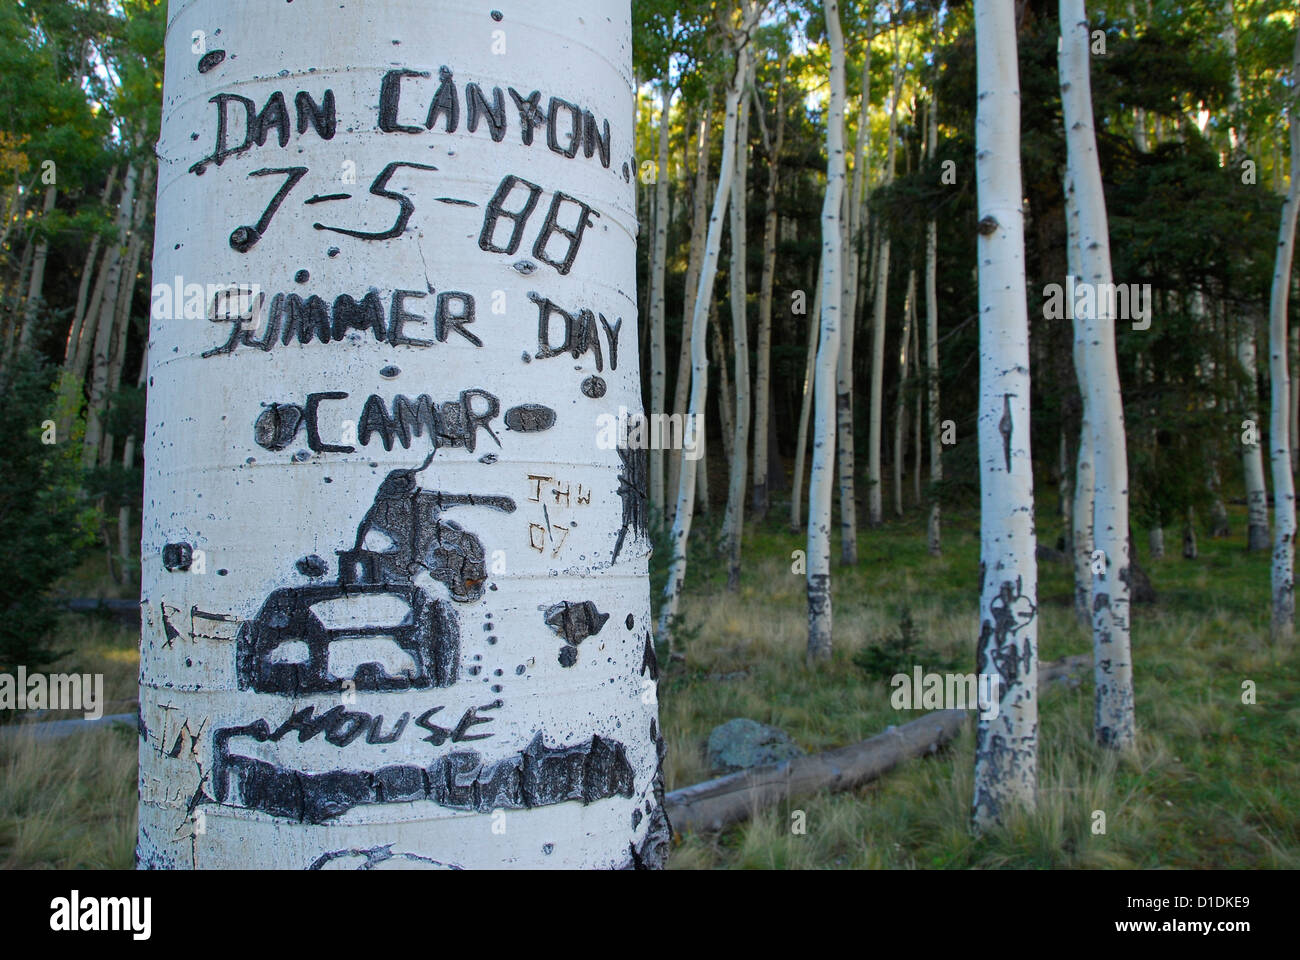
column 1212, row 784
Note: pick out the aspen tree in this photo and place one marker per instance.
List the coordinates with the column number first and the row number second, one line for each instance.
column 1283, row 579
column 821, row 483
column 734, row 519
column 694, row 440
column 1114, row 724
column 1006, row 745
column 933, row 531
column 395, row 596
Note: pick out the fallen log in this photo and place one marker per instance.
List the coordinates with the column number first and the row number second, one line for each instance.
column 718, row 803
column 57, row 729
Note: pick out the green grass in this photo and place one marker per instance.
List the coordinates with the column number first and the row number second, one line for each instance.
column 1212, row 784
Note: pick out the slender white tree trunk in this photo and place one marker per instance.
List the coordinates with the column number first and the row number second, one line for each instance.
column 1114, row 722
column 348, row 592
column 1081, row 541
column 83, row 288
column 763, row 373
column 734, row 520
column 852, row 229
column 125, row 548
column 1252, row 457
column 900, row 406
column 918, row 430
column 699, row 229
column 880, row 295
column 125, row 296
column 107, row 321
column 934, row 535
column 36, row 282
column 1283, row 623
column 683, row 516
column 1006, row 746
column 821, row 483
column 658, row 358
column 1156, row 541
column 805, row 410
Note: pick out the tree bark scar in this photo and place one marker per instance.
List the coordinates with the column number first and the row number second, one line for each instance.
column 1004, row 427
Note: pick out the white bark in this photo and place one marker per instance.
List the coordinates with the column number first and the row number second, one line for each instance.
column 36, row 282
column 805, row 410
column 734, row 520
column 821, row 483
column 1114, row 722
column 699, row 229
column 1081, row 541
column 933, row 533
column 1156, row 541
column 1252, row 456
column 1283, row 578
column 83, row 288
column 763, row 373
column 658, row 358
column 880, row 295
column 1006, row 748
column 125, row 296
column 353, row 568
column 684, row 513
column 107, row 320
column 900, row 405
column 851, row 227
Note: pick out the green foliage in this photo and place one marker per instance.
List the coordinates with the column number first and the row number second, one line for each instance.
column 45, row 522
column 898, row 652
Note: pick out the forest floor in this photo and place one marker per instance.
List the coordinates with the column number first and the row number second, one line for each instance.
column 1212, row 783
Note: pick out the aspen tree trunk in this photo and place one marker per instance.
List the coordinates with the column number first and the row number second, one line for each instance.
column 805, row 410
column 1114, row 724
column 125, row 548
column 107, row 321
column 683, row 515
column 1156, row 542
column 1081, row 542
column 852, row 228
column 918, row 430
column 81, row 350
column 126, row 293
column 1283, row 579
column 699, row 228
column 933, row 533
column 382, row 632
column 880, row 295
column 763, row 360
column 1006, row 746
column 83, row 288
column 900, row 404
column 1252, row 457
column 734, row 520
column 821, row 483
column 658, row 357
column 36, row 283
